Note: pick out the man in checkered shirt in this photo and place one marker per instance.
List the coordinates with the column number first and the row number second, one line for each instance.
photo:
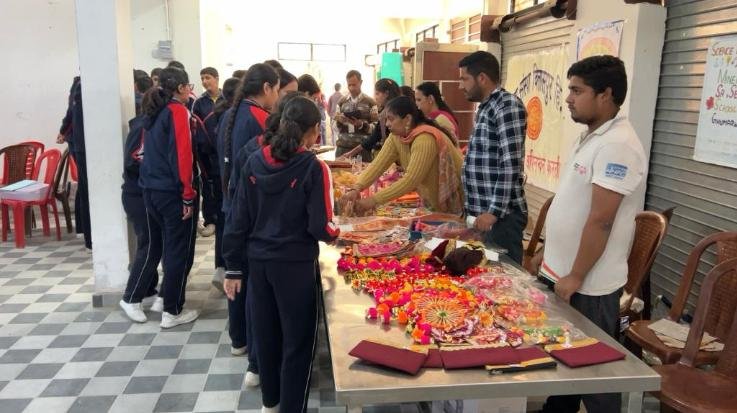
column 492, row 171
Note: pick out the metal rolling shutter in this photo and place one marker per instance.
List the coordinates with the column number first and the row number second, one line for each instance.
column 535, row 36
column 705, row 195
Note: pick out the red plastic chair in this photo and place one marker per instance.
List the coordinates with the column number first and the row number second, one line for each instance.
column 52, row 158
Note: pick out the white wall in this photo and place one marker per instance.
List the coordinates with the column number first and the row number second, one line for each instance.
column 148, row 26
column 38, row 39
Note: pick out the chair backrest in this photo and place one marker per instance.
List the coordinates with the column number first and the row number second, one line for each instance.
column 537, row 231
column 724, row 299
column 62, row 173
column 15, row 165
column 73, row 169
column 713, row 282
column 650, row 229
column 52, row 158
column 668, row 213
column 39, row 146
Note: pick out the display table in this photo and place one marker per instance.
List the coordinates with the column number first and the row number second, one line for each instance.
column 358, row 384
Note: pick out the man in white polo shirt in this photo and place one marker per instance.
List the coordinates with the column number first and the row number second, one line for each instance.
column 591, row 222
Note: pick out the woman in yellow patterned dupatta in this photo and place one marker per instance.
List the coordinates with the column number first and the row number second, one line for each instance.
column 431, row 162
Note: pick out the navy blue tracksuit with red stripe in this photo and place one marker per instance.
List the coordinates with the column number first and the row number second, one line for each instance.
column 280, row 212
column 167, row 180
column 144, row 276
column 205, row 136
column 250, row 122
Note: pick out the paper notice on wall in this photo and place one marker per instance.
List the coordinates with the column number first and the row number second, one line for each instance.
column 716, row 136
column 539, row 80
column 602, row 38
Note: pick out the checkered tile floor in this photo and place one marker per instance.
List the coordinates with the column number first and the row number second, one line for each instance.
column 59, row 354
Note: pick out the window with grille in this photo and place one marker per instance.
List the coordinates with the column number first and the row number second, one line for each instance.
column 465, row 29
column 430, row 33
column 311, row 52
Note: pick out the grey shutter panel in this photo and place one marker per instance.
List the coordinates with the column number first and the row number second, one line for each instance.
column 705, row 195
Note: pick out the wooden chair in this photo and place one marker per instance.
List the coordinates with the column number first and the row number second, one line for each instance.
column 52, row 158
column 40, row 147
column 686, row 388
column 724, row 302
column 536, row 233
column 646, row 288
column 62, row 188
column 15, row 163
column 650, row 229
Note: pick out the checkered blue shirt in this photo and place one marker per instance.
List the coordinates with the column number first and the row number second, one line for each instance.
column 492, row 170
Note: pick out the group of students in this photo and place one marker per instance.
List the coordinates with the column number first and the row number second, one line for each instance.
column 248, row 146
column 270, row 199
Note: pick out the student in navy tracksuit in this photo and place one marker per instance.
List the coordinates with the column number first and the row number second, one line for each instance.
column 245, row 121
column 167, row 179
column 255, row 145
column 212, row 123
column 143, row 276
column 205, row 136
column 281, row 209
column 72, row 131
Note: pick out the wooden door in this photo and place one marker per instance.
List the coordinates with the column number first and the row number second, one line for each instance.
column 435, row 62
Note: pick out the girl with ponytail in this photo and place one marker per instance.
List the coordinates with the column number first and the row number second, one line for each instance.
column 239, row 315
column 281, row 209
column 432, row 163
column 244, row 121
column 167, row 179
column 255, row 98
column 431, row 103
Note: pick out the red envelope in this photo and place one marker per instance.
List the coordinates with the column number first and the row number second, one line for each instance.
column 597, row 353
column 433, row 359
column 388, row 355
column 461, row 358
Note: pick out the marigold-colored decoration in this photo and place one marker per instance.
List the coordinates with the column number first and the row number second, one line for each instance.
column 442, row 313
column 534, row 118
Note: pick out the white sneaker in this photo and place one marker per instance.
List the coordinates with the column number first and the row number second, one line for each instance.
column 274, row 409
column 253, row 380
column 158, row 305
column 186, row 316
column 134, row 311
column 238, row 351
column 208, row 230
column 218, row 279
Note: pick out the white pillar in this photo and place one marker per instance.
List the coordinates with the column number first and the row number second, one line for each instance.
column 106, row 69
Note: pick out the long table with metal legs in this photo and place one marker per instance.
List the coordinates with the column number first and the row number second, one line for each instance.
column 358, row 384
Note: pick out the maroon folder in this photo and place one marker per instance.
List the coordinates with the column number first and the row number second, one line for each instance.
column 461, row 358
column 388, row 355
column 530, row 358
column 597, row 353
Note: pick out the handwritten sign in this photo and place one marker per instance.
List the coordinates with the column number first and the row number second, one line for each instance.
column 716, row 136
column 539, row 80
